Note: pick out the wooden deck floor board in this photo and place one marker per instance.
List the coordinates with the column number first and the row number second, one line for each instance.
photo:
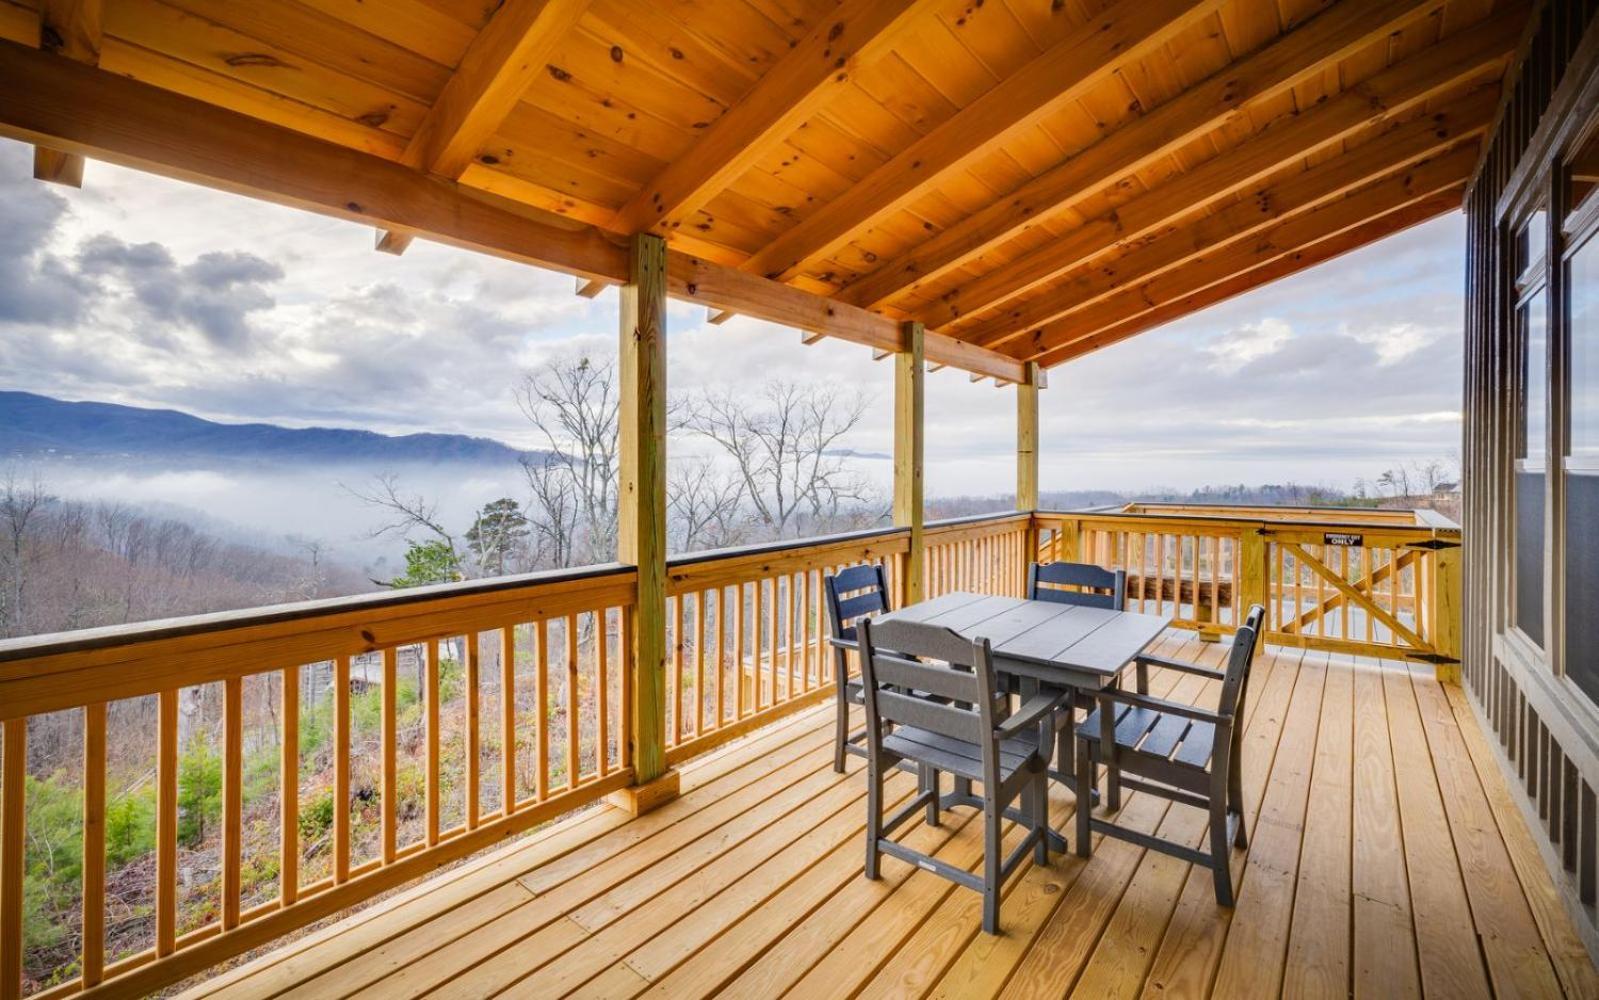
column 1383, row 840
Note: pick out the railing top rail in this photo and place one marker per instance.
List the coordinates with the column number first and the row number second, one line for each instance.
column 785, row 545
column 49, row 644
column 1241, row 519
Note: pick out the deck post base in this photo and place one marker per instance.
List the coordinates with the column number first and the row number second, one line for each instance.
column 640, row 799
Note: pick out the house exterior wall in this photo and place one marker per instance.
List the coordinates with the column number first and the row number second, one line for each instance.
column 1531, row 539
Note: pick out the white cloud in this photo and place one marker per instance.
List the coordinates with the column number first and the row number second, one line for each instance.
column 1238, row 347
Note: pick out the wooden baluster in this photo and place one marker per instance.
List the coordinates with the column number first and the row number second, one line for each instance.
column 1321, row 588
column 232, row 797
column 674, row 683
column 166, row 824
column 772, row 611
column 602, row 689
column 738, row 652
column 789, row 601
column 1215, row 577
column 699, row 662
column 721, row 656
column 391, row 828
column 574, row 705
column 1393, row 590
column 474, row 754
column 625, row 672
column 289, row 789
column 1143, row 580
column 541, row 706
column 757, row 620
column 341, row 770
column 13, row 847
column 432, row 762
column 1160, row 571
column 1299, row 597
column 508, row 719
column 94, row 761
column 1193, row 545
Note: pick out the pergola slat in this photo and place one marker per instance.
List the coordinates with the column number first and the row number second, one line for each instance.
column 1221, row 98
column 812, row 72
column 496, row 70
column 1404, row 144
column 1087, row 55
column 1404, row 86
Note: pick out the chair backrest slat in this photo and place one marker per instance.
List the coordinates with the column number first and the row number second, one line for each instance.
column 1101, row 588
column 868, row 585
column 923, row 713
column 933, row 677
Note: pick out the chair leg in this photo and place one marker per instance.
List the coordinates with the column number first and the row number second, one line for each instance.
column 874, row 816
column 993, row 859
column 841, row 700
column 927, row 781
column 1040, row 795
column 1085, row 798
column 1235, row 802
column 1220, row 857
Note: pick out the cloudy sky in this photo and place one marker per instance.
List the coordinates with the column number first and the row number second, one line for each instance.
column 149, row 292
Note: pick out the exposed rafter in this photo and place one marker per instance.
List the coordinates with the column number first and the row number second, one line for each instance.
column 1231, row 256
column 70, row 28
column 1392, row 150
column 803, row 80
column 1281, row 267
column 502, row 61
column 1210, row 105
column 1394, row 91
column 1127, row 31
column 85, row 110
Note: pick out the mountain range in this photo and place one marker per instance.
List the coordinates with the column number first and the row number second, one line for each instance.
column 34, row 426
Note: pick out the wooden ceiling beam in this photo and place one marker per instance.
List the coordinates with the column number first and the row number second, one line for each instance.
column 1224, row 97
column 499, row 65
column 1230, row 256
column 1128, row 31
column 793, row 90
column 70, row 28
column 1393, row 149
column 1472, row 54
column 1307, row 257
column 84, row 110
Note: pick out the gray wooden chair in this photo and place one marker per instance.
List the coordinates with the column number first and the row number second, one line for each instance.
column 852, row 594
column 946, row 711
column 1088, row 586
column 1183, row 753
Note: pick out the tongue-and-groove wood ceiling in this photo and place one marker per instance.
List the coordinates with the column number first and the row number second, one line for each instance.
column 1031, row 179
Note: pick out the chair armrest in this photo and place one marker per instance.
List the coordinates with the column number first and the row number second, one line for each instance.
column 1187, row 668
column 1161, row 705
column 850, row 644
column 1035, row 710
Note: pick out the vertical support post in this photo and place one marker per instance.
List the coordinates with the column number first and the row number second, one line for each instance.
column 13, row 848
column 1446, row 613
column 909, row 374
column 641, row 514
column 1027, row 457
column 1254, row 580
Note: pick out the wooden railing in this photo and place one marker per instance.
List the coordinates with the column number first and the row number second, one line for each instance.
column 532, row 667
column 1379, row 582
column 987, row 553
column 747, row 635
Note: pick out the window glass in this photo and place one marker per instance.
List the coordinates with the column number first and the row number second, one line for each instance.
column 1584, row 172
column 1584, row 285
column 1535, row 379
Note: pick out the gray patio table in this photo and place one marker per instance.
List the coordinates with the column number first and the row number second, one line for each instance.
column 1053, row 645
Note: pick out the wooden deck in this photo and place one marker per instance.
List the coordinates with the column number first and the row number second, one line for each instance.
column 1387, row 859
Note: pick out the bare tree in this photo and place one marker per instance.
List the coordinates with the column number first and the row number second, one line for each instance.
column 20, row 503
column 573, row 403
column 702, row 504
column 783, row 441
column 406, row 512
